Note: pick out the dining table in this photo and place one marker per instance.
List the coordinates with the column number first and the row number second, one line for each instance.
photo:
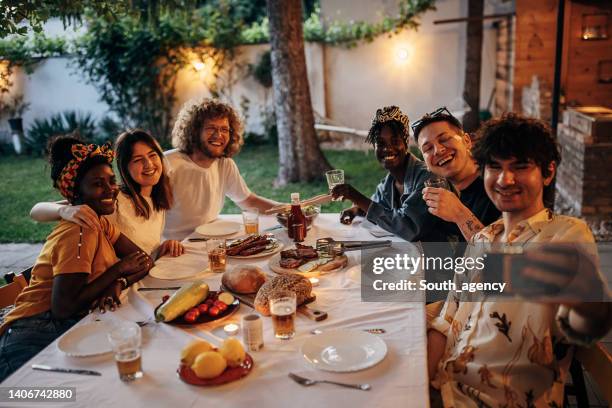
column 399, row 380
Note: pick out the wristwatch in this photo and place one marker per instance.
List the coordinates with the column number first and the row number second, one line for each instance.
column 124, row 283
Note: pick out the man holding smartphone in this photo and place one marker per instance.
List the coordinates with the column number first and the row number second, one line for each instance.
column 517, row 353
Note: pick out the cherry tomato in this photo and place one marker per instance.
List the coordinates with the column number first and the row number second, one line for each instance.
column 209, row 302
column 203, row 308
column 195, row 311
column 190, row 317
column 222, row 307
column 214, row 311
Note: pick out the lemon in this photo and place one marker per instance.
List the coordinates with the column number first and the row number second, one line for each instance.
column 193, row 349
column 209, row 364
column 233, row 352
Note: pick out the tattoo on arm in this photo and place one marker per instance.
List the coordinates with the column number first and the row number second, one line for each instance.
column 470, row 227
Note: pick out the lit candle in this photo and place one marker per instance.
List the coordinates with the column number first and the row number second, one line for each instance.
column 314, row 281
column 231, row 329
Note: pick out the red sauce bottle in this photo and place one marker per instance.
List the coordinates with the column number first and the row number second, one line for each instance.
column 297, row 220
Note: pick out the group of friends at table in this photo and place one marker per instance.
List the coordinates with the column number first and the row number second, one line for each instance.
column 480, row 353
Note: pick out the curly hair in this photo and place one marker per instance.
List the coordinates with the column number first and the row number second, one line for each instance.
column 516, row 136
column 392, row 117
column 190, row 121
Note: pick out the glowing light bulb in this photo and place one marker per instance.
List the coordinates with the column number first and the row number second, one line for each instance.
column 402, row 54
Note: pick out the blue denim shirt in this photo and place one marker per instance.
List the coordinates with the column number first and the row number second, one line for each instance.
column 405, row 216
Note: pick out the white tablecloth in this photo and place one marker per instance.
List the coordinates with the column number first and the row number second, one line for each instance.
column 400, row 380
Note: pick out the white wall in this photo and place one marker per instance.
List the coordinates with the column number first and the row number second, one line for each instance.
column 347, row 85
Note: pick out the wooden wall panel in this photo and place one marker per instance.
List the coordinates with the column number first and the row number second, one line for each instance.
column 535, row 52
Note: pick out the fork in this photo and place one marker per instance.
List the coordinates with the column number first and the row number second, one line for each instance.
column 308, row 382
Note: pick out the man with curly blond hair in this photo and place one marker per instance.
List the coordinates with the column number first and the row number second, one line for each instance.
column 206, row 135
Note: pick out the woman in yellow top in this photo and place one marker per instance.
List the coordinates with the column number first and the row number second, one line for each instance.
column 78, row 268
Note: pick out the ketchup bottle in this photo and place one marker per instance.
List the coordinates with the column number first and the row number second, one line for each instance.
column 297, row 220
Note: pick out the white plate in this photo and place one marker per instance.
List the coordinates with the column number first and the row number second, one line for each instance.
column 167, row 272
column 344, row 350
column 219, row 228
column 86, row 340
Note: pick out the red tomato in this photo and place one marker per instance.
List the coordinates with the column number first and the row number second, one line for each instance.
column 195, row 311
column 190, row 317
column 209, row 302
column 214, row 311
column 203, row 308
column 221, row 306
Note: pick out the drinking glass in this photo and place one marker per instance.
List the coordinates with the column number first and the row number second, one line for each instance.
column 125, row 339
column 437, row 182
column 282, row 309
column 334, row 178
column 250, row 219
column 217, row 256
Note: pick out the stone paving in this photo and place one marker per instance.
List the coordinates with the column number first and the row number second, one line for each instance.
column 17, row 257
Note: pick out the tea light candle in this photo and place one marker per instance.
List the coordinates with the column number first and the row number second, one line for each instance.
column 314, row 281
column 231, row 329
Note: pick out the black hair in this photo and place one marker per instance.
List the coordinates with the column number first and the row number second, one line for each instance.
column 428, row 120
column 397, row 128
column 516, row 136
column 60, row 153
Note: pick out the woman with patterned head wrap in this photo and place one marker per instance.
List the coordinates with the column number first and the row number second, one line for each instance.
column 78, row 268
column 396, row 205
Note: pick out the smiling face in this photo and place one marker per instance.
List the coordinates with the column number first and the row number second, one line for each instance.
column 445, row 149
column 516, row 186
column 215, row 136
column 145, row 165
column 98, row 189
column 391, row 149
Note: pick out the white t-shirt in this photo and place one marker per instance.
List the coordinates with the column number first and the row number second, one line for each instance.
column 146, row 233
column 199, row 193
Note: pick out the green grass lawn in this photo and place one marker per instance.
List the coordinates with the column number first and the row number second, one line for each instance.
column 25, row 181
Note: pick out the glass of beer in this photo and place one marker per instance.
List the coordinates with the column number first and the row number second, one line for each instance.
column 250, row 219
column 125, row 339
column 282, row 309
column 334, row 178
column 217, row 257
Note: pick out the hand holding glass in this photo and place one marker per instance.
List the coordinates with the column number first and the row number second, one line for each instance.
column 334, row 178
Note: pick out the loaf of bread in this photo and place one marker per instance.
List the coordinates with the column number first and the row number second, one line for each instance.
column 244, row 279
column 291, row 282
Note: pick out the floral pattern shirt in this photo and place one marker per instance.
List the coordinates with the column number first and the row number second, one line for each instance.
column 507, row 354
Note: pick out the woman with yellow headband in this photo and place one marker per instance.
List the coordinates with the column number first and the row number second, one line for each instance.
column 78, row 268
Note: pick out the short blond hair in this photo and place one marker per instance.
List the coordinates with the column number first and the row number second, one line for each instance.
column 188, row 126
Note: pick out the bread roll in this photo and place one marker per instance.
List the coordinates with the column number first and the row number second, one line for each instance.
column 244, row 279
column 293, row 282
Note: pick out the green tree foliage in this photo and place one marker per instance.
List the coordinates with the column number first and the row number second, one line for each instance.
column 134, row 65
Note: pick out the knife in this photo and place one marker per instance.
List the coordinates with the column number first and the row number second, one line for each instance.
column 64, row 370
column 151, row 289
